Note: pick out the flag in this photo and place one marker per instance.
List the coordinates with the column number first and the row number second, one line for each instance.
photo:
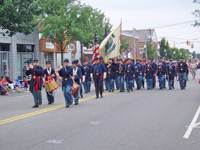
column 110, row 47
column 96, row 46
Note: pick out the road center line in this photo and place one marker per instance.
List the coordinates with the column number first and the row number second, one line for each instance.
column 192, row 125
column 44, row 110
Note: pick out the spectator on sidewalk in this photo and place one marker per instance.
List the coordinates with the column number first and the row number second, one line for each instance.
column 25, row 83
column 3, row 90
column 58, row 77
column 6, row 73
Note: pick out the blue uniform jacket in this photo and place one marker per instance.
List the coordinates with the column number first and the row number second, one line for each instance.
column 45, row 73
column 35, row 72
column 182, row 67
column 86, row 72
column 161, row 70
column 171, row 71
column 149, row 70
column 130, row 71
column 111, row 74
column 98, row 69
column 139, row 69
column 78, row 76
column 66, row 74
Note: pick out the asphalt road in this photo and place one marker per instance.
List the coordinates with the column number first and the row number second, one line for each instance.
column 140, row 120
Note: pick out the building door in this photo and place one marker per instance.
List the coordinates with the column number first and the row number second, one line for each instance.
column 4, row 60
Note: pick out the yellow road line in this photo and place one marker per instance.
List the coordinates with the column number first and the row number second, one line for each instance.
column 44, row 110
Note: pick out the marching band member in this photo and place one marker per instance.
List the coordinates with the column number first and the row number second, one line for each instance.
column 98, row 74
column 81, row 67
column 36, row 82
column 48, row 74
column 130, row 74
column 149, row 73
column 171, row 73
column 77, row 74
column 161, row 73
column 66, row 73
column 138, row 74
column 86, row 77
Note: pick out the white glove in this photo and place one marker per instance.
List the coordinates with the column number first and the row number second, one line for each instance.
column 104, row 75
column 91, row 76
column 83, row 78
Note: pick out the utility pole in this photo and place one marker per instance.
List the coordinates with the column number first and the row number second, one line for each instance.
column 145, row 43
column 81, row 53
column 134, row 50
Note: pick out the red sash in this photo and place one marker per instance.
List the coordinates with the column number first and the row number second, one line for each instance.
column 37, row 82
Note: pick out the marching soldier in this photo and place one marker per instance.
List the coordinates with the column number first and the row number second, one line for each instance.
column 182, row 71
column 98, row 74
column 155, row 68
column 171, row 73
column 138, row 74
column 66, row 73
column 48, row 74
column 36, row 82
column 77, row 74
column 143, row 66
column 117, row 74
column 161, row 73
column 81, row 67
column 163, row 62
column 86, row 77
column 130, row 72
column 110, row 77
column 121, row 70
column 149, row 73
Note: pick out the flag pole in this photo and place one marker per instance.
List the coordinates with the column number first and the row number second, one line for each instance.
column 120, row 38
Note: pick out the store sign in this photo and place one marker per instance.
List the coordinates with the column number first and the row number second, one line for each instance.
column 71, row 47
column 87, row 51
column 49, row 45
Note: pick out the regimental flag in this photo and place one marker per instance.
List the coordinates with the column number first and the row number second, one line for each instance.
column 96, row 47
column 110, row 47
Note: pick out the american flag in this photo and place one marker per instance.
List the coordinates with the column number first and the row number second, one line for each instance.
column 96, row 47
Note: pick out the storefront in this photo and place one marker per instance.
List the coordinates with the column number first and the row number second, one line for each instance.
column 4, row 56
column 25, row 56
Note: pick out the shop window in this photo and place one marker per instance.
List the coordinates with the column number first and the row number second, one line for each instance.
column 4, row 47
column 25, row 48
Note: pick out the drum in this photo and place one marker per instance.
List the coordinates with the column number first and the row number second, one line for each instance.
column 75, row 88
column 50, row 85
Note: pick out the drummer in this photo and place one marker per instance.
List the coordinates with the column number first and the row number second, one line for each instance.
column 77, row 74
column 66, row 72
column 48, row 74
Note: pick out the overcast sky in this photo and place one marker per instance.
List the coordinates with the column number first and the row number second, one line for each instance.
column 145, row 14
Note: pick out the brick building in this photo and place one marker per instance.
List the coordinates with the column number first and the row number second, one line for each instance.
column 140, row 40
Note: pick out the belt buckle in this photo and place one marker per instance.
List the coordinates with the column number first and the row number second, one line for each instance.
column 33, row 77
column 127, row 71
column 147, row 69
column 97, row 73
column 66, row 79
column 181, row 69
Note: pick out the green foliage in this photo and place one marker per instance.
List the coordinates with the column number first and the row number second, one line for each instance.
column 151, row 51
column 68, row 20
column 163, row 47
column 19, row 16
column 196, row 13
column 125, row 44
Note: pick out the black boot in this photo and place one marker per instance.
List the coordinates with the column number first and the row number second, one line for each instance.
column 101, row 90
column 97, row 91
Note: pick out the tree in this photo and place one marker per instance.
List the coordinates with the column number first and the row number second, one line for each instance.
column 196, row 13
column 19, row 16
column 125, row 44
column 66, row 21
column 164, row 47
column 194, row 54
column 151, row 51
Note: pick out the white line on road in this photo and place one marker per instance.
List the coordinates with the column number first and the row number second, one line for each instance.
column 192, row 125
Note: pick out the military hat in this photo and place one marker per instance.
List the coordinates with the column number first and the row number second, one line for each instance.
column 149, row 58
column 160, row 60
column 170, row 60
column 74, row 62
column 161, row 57
column 86, row 60
column 137, row 59
column 96, row 58
column 181, row 57
column 35, row 60
column 48, row 62
column 118, row 59
column 66, row 60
